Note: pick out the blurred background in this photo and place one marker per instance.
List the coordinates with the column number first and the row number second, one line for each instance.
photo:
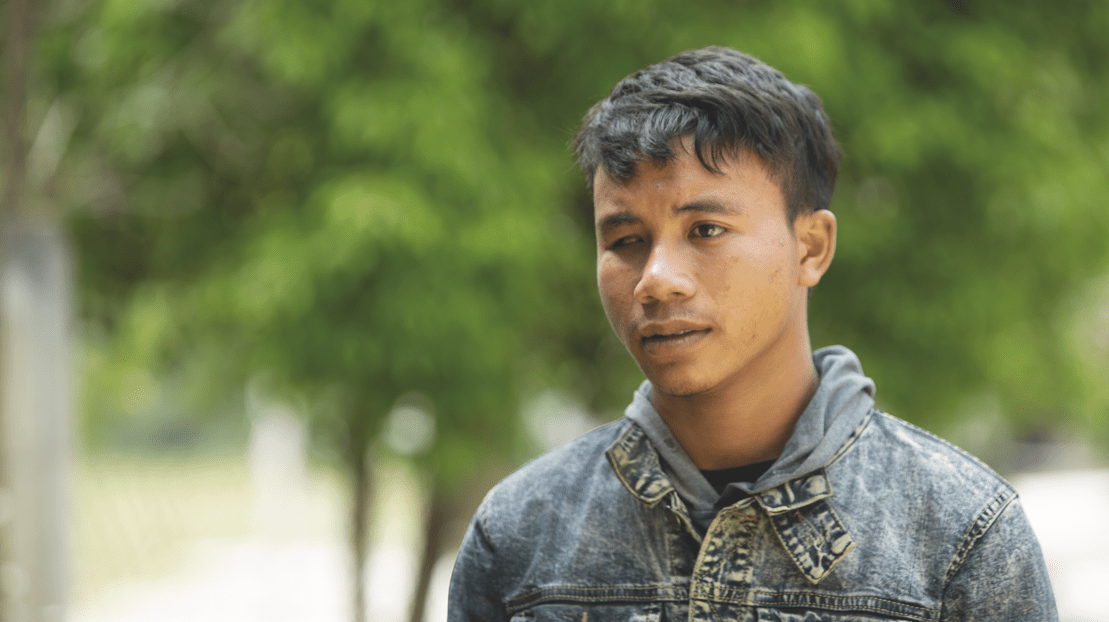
column 287, row 285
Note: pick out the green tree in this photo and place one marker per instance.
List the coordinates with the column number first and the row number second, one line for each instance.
column 325, row 194
column 974, row 135
column 363, row 201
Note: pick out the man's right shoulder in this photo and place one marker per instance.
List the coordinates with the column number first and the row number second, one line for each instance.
column 570, row 475
column 560, row 522
column 565, row 466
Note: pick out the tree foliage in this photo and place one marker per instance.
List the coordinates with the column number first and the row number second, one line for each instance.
column 381, row 197
column 365, row 200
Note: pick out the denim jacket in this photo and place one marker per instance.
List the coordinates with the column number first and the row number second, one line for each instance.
column 863, row 517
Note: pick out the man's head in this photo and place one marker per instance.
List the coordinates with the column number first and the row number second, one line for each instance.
column 695, row 165
column 726, row 103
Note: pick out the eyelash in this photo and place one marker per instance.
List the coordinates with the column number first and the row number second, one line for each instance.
column 624, row 241
column 702, row 226
column 631, row 239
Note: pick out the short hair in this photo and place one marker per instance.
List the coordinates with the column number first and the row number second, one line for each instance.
column 730, row 103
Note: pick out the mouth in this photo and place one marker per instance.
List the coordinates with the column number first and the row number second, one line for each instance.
column 673, row 335
column 666, row 341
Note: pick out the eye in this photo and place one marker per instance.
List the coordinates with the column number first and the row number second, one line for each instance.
column 707, row 231
column 624, row 241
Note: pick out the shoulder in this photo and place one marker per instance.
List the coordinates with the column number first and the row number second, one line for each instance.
column 562, row 465
column 958, row 521
column 545, row 489
column 905, row 493
column 893, row 450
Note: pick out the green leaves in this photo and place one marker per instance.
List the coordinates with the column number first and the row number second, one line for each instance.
column 380, row 197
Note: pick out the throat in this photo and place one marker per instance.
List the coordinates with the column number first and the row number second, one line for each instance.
column 749, row 425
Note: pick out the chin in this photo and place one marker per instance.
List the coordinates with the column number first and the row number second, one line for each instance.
column 679, row 386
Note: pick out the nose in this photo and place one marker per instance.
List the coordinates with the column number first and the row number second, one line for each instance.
column 666, row 276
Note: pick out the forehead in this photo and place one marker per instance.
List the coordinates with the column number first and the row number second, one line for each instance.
column 742, row 180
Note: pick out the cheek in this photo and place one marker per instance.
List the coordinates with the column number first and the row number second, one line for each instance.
column 611, row 286
column 749, row 285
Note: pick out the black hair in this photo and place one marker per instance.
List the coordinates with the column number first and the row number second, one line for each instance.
column 730, row 103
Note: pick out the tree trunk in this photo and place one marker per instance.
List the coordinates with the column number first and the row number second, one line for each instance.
column 438, row 517
column 17, row 19
column 361, row 481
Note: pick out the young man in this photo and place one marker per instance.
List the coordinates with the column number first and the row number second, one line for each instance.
column 751, row 478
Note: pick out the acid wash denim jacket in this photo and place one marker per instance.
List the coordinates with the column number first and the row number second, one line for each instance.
column 863, row 517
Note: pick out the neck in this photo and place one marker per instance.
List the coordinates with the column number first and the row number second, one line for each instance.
column 747, row 420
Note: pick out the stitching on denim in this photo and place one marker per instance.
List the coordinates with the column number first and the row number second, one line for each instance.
column 855, row 435
column 785, row 603
column 566, row 593
column 822, row 539
column 583, row 588
column 850, row 546
column 930, row 613
column 578, row 599
column 779, row 510
column 978, row 528
column 484, row 524
column 622, row 444
column 683, row 516
column 826, row 596
column 985, row 467
column 914, row 616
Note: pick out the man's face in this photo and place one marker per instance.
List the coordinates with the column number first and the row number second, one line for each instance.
column 700, row 274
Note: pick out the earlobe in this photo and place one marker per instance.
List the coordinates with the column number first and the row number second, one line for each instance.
column 816, row 237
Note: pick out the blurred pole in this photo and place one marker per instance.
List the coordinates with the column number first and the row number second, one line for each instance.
column 35, row 366
column 361, row 479
column 439, row 515
column 36, row 418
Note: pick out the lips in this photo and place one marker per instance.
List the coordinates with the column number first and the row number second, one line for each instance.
column 680, row 333
column 670, row 329
column 659, row 337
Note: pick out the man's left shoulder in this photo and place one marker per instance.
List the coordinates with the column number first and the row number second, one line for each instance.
column 896, row 464
column 913, row 451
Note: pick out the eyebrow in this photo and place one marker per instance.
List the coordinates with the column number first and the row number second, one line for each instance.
column 615, row 220
column 706, row 206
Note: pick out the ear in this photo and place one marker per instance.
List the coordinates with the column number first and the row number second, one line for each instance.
column 816, row 244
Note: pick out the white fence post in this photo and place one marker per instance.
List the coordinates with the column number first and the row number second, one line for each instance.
column 36, row 421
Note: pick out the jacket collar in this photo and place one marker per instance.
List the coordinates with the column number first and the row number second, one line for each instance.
column 651, row 464
column 840, row 404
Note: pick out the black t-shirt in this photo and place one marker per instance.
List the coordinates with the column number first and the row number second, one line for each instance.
column 720, row 478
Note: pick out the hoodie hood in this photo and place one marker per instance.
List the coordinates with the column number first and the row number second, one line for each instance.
column 842, row 400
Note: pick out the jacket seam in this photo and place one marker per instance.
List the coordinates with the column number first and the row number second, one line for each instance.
column 620, row 474
column 852, row 440
column 817, row 595
column 985, row 520
column 859, row 608
column 581, row 594
column 981, row 465
column 567, row 593
column 484, row 524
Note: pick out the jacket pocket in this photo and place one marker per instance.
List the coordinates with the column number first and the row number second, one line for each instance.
column 591, row 612
column 779, row 615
